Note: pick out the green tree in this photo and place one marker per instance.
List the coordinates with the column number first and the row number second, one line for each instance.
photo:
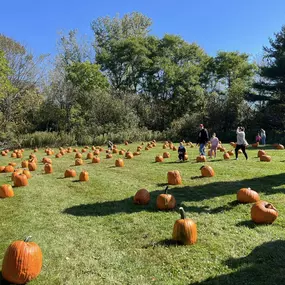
column 5, row 84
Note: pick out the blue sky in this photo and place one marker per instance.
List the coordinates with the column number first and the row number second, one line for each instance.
column 243, row 25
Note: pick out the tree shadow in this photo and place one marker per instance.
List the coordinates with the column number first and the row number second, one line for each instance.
column 163, row 243
column 267, row 185
column 248, row 224
column 263, row 266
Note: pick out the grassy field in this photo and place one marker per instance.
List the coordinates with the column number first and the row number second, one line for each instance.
column 92, row 233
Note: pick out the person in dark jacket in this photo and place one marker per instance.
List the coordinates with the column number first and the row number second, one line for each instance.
column 181, row 152
column 203, row 138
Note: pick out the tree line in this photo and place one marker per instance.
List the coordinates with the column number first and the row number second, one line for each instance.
column 129, row 84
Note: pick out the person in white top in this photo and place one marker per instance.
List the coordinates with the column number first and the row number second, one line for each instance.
column 241, row 142
column 263, row 136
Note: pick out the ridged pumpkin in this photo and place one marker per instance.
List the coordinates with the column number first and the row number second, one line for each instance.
column 201, row 158
column 174, row 177
column 165, row 201
column 47, row 160
column 207, row 171
column 9, row 168
column 84, row 176
column 142, row 197
column 261, row 152
column 96, row 152
column 119, row 162
column 263, row 212
column 78, row 155
column 129, row 155
column 121, row 152
column 89, row 155
column 159, row 158
column 24, row 163
column 69, row 173
column 247, row 195
column 78, row 161
column 22, row 262
column 32, row 166
column 265, row 158
column 6, row 191
column 226, row 156
column 48, row 168
column 27, row 173
column 20, row 180
column 166, row 155
column 109, row 155
column 184, row 230
column 115, row 150
column 96, row 159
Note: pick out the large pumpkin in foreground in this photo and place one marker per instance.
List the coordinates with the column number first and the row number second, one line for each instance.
column 247, row 195
column 184, row 230
column 263, row 212
column 165, row 201
column 22, row 262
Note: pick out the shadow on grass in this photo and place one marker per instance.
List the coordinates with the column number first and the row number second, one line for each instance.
column 268, row 185
column 3, row 281
column 248, row 224
column 263, row 266
column 163, row 243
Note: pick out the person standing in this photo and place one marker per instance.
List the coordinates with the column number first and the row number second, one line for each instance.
column 263, row 136
column 203, row 138
column 257, row 138
column 181, row 152
column 241, row 142
column 214, row 145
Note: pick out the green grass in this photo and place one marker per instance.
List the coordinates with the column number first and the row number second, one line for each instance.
column 92, row 233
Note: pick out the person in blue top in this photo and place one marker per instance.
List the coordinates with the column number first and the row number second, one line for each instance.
column 203, row 138
column 181, row 152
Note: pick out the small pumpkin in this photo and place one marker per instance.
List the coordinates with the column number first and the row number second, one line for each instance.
column 159, row 158
column 121, row 152
column 247, row 195
column 96, row 159
column 263, row 212
column 230, row 152
column 142, row 197
column 22, row 262
column 129, row 155
column 119, row 162
column 109, row 155
column 226, row 156
column 261, row 152
column 174, row 177
column 69, row 173
column 184, row 230
column 136, row 153
column 12, row 163
column 2, row 168
column 165, row 201
column 24, row 163
column 166, row 155
column 84, row 176
column 32, row 166
column 255, row 144
column 58, row 155
column 47, row 160
column 265, row 158
column 48, row 168
column 20, row 180
column 115, row 150
column 207, row 171
column 78, row 155
column 6, row 191
column 201, row 158
column 96, row 152
column 27, row 173
column 280, row 146
column 78, row 161
column 89, row 155
column 9, row 168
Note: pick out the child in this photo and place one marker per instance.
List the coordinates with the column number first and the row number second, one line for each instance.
column 181, row 152
column 258, row 138
column 110, row 145
column 214, row 145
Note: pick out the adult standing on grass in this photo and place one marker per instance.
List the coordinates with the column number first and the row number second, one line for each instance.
column 203, row 138
column 263, row 136
column 241, row 142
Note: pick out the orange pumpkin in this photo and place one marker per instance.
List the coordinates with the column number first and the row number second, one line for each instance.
column 96, row 159
column 159, row 158
column 136, row 153
column 69, row 173
column 165, row 201
column 201, row 158
column 12, row 163
column 20, row 180
column 129, row 155
column 231, row 152
column 263, row 212
column 121, row 152
column 142, row 197
column 89, row 155
column 109, row 155
column 84, row 176
column 32, row 166
column 247, row 195
column 119, row 162
column 207, row 171
column 78, row 161
column 280, row 146
column 6, row 191
column 22, row 262
column 184, row 230
column 2, row 168
column 174, row 177
column 96, row 152
column 261, row 152
column 24, row 163
column 265, row 158
column 166, row 155
column 48, row 168
column 58, row 155
column 255, row 144
column 9, row 168
column 27, row 173
column 115, row 150
column 226, row 155
column 78, row 155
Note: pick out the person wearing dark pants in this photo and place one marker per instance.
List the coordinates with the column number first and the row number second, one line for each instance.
column 181, row 152
column 241, row 142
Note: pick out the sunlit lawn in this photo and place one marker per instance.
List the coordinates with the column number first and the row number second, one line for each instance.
column 92, row 233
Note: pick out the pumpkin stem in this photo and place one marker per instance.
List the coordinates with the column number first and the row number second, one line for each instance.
column 27, row 238
column 270, row 206
column 202, row 167
column 182, row 213
column 165, row 190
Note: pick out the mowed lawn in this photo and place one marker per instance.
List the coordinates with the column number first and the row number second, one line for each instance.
column 92, row 233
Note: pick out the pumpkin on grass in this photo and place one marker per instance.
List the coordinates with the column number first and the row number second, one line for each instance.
column 78, row 161
column 165, row 201
column 184, row 230
column 20, row 180
column 96, row 159
column 174, row 177
column 48, row 168
column 32, row 166
column 27, row 173
column 201, row 158
column 119, row 162
column 166, row 155
column 142, row 197
column 247, row 195
column 261, row 152
column 265, row 158
column 207, row 171
column 22, row 262
column 263, row 212
column 6, row 191
column 84, row 176
column 159, row 158
column 69, row 173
